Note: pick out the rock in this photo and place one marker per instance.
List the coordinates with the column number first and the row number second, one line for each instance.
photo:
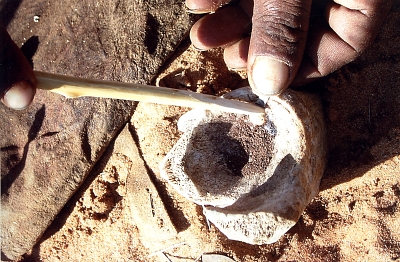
column 48, row 149
column 147, row 210
column 254, row 182
column 122, row 41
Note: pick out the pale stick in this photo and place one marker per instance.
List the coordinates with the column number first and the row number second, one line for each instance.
column 73, row 87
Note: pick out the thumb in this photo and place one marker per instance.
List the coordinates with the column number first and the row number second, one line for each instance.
column 277, row 43
column 17, row 80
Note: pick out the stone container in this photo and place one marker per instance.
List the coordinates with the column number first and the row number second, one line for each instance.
column 254, row 181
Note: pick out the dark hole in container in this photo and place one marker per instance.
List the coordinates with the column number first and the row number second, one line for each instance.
column 227, row 149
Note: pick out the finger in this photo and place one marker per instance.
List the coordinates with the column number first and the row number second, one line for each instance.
column 325, row 53
column 352, row 26
column 357, row 22
column 277, row 43
column 204, row 6
column 225, row 27
column 17, row 80
column 235, row 55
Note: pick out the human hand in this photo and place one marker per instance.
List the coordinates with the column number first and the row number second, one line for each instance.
column 291, row 42
column 17, row 80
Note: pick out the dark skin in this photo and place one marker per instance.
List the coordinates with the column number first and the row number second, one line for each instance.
column 275, row 40
column 17, row 81
column 278, row 43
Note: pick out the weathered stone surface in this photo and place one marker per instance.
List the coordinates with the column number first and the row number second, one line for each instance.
column 46, row 153
column 147, row 210
column 124, row 40
column 250, row 198
column 48, row 149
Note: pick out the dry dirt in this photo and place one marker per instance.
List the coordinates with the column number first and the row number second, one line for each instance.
column 355, row 217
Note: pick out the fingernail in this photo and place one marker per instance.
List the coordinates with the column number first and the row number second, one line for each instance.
column 237, row 69
column 19, row 96
column 198, row 49
column 196, row 11
column 269, row 76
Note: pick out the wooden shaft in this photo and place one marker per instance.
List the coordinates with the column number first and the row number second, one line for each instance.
column 73, row 87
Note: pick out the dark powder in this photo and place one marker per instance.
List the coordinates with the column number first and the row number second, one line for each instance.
column 234, row 142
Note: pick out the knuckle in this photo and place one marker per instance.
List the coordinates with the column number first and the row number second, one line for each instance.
column 282, row 30
column 282, row 23
column 291, row 15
